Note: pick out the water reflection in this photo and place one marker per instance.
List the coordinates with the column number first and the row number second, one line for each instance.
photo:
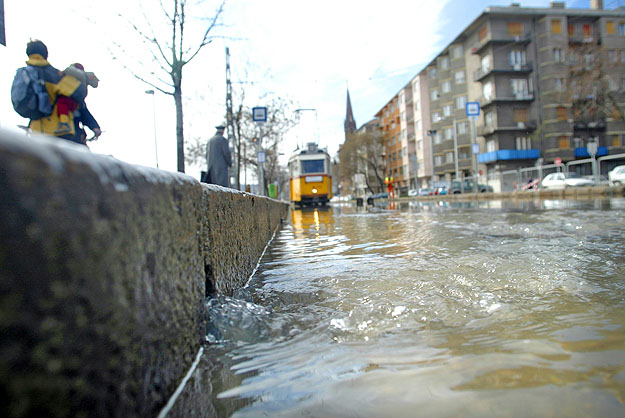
column 509, row 308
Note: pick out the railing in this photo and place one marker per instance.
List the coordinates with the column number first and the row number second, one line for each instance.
column 484, row 130
column 481, row 72
column 525, row 38
column 508, row 98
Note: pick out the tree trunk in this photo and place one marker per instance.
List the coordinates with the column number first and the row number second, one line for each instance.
column 179, row 126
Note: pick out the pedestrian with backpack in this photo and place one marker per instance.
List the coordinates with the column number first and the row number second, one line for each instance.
column 36, row 89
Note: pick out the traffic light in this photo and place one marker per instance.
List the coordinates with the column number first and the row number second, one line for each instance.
column 431, row 132
column 254, row 140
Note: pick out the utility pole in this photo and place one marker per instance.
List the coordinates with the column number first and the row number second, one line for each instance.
column 234, row 172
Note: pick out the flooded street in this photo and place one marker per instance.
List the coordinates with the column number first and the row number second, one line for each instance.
column 431, row 309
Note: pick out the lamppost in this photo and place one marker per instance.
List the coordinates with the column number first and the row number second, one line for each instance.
column 151, row 92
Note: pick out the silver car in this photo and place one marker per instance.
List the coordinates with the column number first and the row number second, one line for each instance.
column 564, row 180
column 617, row 175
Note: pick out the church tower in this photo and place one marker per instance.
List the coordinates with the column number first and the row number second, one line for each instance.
column 350, row 123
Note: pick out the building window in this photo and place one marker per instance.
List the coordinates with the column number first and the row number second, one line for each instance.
column 521, row 115
column 523, row 142
column 515, row 29
column 558, row 55
column 489, row 119
column 394, row 156
column 609, row 27
column 461, row 102
column 517, row 57
column 612, row 85
column 462, row 128
column 571, row 29
column 621, row 28
column 446, row 86
column 616, row 141
column 623, row 56
column 436, row 116
column 612, row 55
column 483, row 33
column 435, row 95
column 419, row 144
column 438, row 138
column 417, row 124
column 457, row 51
column 559, row 84
column 438, row 160
column 487, row 90
column 447, row 109
column 449, row 133
column 563, row 142
column 587, row 29
column 432, row 72
column 491, row 146
column 392, row 125
column 485, row 63
column 449, row 157
column 459, row 76
column 444, row 63
column 519, row 87
column 556, row 26
column 562, row 113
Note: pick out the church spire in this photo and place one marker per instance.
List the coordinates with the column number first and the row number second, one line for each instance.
column 350, row 122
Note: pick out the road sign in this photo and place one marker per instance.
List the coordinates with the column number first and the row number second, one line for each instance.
column 472, row 109
column 557, row 161
column 475, row 148
column 591, row 147
column 259, row 114
column 261, row 156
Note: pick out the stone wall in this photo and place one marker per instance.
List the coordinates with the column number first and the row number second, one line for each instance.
column 104, row 268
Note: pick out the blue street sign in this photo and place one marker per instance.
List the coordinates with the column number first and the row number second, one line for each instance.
column 259, row 114
column 473, row 108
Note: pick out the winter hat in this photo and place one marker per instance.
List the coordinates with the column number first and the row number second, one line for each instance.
column 37, row 47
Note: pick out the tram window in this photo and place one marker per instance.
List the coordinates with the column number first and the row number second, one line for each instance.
column 312, row 166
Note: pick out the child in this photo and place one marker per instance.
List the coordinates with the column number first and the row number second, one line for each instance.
column 66, row 105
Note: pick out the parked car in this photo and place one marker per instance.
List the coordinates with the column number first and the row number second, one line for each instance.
column 380, row 196
column 426, row 191
column 413, row 192
column 467, row 186
column 603, row 180
column 617, row 175
column 564, row 180
column 442, row 190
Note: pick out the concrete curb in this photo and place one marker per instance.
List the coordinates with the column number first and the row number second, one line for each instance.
column 104, row 269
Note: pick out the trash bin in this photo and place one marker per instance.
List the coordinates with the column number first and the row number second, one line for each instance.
column 272, row 189
column 359, row 201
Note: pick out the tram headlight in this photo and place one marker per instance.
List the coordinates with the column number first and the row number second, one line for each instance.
column 314, row 191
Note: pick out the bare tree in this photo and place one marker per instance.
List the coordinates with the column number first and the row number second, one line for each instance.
column 592, row 87
column 170, row 51
column 362, row 154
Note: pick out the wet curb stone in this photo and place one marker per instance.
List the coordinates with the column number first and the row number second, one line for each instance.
column 104, row 269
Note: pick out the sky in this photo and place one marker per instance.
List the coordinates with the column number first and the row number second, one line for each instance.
column 309, row 52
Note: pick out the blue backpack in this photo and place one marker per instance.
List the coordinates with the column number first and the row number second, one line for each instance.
column 29, row 95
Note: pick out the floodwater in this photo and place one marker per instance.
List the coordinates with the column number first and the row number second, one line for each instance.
column 498, row 308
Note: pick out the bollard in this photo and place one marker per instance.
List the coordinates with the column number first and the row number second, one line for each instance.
column 359, row 201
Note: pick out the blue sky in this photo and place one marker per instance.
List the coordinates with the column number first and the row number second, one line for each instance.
column 307, row 52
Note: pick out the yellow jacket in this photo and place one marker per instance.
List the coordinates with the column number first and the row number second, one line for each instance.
column 57, row 84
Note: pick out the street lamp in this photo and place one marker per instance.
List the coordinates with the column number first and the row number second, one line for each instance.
column 151, row 92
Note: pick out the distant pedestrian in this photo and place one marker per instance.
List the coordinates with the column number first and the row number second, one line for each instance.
column 218, row 159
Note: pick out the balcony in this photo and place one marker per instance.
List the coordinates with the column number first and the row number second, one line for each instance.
column 481, row 73
column 582, row 152
column 507, row 155
column 512, row 98
column 501, row 39
column 589, row 126
column 484, row 130
column 581, row 39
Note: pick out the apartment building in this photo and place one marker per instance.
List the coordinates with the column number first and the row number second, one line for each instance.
column 422, row 144
column 530, row 62
column 448, row 85
column 389, row 119
column 407, row 135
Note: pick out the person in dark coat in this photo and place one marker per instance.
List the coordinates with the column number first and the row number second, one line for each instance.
column 218, row 159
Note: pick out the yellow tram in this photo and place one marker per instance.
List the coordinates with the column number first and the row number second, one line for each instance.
column 310, row 176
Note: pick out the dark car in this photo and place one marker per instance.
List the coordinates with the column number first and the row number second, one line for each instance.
column 467, row 186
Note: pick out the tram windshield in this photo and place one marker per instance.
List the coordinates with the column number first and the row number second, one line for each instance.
column 312, row 166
